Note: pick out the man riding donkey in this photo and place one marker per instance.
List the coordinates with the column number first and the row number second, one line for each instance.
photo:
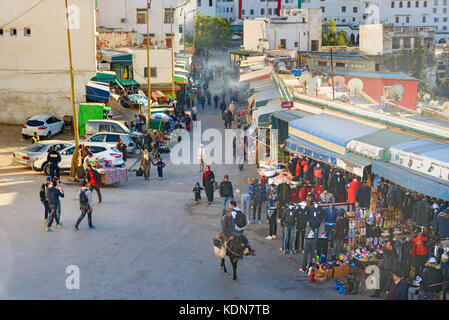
column 232, row 241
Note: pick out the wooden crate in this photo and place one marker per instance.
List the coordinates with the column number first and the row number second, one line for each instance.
column 339, row 272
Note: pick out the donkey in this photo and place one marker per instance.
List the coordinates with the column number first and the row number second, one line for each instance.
column 235, row 250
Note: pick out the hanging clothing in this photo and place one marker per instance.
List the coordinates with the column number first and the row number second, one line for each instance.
column 363, row 196
column 352, row 189
column 422, row 213
column 407, row 206
column 284, row 194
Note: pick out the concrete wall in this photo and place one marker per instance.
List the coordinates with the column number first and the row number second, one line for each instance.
column 159, row 58
column 34, row 70
column 371, row 39
column 115, row 39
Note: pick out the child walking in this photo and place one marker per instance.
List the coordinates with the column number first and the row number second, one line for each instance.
column 160, row 165
column 197, row 192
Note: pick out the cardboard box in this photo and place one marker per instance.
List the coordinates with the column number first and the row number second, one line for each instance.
column 339, row 272
column 355, row 270
column 330, row 273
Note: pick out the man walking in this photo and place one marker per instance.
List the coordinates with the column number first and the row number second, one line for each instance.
column 94, row 179
column 216, row 98
column 208, row 95
column 228, row 119
column 223, row 108
column 86, row 205
column 258, row 197
column 53, row 158
column 53, row 198
column 44, row 197
column 226, row 193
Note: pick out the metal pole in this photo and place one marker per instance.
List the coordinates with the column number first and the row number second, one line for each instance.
column 69, row 45
column 196, row 25
column 148, row 66
column 172, row 56
column 332, row 68
column 184, row 34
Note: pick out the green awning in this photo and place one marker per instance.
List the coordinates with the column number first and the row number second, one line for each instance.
column 128, row 82
column 179, row 78
column 288, row 115
column 104, row 76
column 115, row 56
column 353, row 163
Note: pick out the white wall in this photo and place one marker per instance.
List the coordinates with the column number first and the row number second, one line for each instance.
column 371, row 39
column 34, row 70
column 111, row 13
column 159, row 58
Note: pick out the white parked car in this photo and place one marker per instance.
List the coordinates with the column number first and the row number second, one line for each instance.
column 97, row 126
column 28, row 155
column 44, row 125
column 111, row 139
column 99, row 150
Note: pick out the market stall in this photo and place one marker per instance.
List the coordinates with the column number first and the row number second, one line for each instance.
column 110, row 175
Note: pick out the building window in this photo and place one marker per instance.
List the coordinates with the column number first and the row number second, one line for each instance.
column 27, row 32
column 424, row 19
column 314, row 45
column 270, row 11
column 243, row 12
column 211, row 3
column 276, row 11
column 354, row 9
column 322, row 9
column 199, row 3
column 13, row 32
column 417, row 4
column 322, row 63
column 180, row 28
column 364, row 17
column 251, row 12
column 168, row 15
column 435, row 19
column 303, row 20
column 153, row 72
column 409, row 4
column 400, row 4
column 434, row 10
column 444, row 20
column 340, row 64
column 343, row 20
column 343, row 9
column 397, row 19
column 407, row 19
column 296, row 44
column 444, row 2
column 262, row 12
column 141, row 16
column 353, row 19
column 392, row 4
column 435, row 2
column 425, row 4
column 444, row 10
column 444, row 27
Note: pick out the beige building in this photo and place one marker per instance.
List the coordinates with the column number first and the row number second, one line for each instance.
column 321, row 61
column 34, row 67
column 296, row 29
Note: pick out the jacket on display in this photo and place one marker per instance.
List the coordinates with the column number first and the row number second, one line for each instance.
column 316, row 216
column 352, row 189
column 284, row 193
column 395, row 198
column 301, row 221
column 337, row 184
column 289, row 217
column 330, row 214
column 442, row 224
column 272, row 191
column 303, row 193
column 407, row 206
column 317, row 190
column 419, row 246
column 341, row 228
column 258, row 193
column 327, row 197
column 363, row 196
column 422, row 213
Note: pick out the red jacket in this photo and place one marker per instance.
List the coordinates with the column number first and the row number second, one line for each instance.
column 419, row 246
column 303, row 193
column 317, row 191
column 352, row 189
column 298, row 169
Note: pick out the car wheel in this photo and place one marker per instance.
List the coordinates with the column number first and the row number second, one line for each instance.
column 49, row 135
column 46, row 169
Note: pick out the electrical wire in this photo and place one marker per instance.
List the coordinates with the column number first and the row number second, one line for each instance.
column 22, row 14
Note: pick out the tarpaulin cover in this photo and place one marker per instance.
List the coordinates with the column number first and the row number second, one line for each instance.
column 328, row 131
column 97, row 91
column 314, row 151
column 412, row 180
column 427, row 148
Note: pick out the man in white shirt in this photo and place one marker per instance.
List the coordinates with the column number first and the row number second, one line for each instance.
column 201, row 156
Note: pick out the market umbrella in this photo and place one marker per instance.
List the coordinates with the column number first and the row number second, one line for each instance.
column 161, row 117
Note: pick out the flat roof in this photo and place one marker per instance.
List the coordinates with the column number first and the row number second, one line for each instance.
column 337, row 56
column 384, row 75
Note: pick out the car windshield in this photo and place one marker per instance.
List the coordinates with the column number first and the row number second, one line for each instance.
column 34, row 123
column 35, row 147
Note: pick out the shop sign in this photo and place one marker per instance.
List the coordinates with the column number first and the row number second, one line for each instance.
column 366, row 150
column 421, row 164
column 287, row 104
column 104, row 67
column 350, row 166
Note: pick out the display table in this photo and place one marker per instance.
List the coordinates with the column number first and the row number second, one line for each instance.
column 113, row 176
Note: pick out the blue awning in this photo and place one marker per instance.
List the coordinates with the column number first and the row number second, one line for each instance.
column 328, row 131
column 304, row 147
column 427, row 148
column 98, row 91
column 412, row 180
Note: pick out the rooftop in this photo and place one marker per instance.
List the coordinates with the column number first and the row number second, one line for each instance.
column 384, row 75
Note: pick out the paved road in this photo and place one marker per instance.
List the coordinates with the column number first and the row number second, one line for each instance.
column 151, row 242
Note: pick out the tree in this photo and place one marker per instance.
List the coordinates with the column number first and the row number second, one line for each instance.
column 212, row 32
column 329, row 35
column 342, row 39
column 419, row 66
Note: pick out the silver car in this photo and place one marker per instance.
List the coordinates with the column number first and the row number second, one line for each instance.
column 28, row 155
column 111, row 139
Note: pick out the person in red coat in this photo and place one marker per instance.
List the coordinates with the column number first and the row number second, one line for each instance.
column 352, row 189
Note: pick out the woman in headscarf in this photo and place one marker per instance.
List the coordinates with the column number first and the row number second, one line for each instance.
column 208, row 180
column 145, row 164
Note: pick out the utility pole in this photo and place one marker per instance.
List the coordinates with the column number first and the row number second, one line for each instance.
column 172, row 17
column 148, row 65
column 69, row 45
column 332, row 68
column 196, row 25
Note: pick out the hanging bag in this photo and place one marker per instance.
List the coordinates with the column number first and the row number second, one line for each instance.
column 139, row 172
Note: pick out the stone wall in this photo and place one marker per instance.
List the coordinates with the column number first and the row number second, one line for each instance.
column 115, row 39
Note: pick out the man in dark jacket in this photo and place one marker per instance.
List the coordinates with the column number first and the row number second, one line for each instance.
column 226, row 193
column 301, row 224
column 288, row 221
column 223, row 108
column 53, row 158
column 53, row 194
column 227, row 225
column 216, row 98
column 389, row 264
column 44, row 199
column 316, row 217
column 399, row 288
column 431, row 275
column 228, row 119
column 340, row 231
column 94, row 178
column 258, row 196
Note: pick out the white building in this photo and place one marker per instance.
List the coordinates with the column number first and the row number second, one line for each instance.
column 160, row 65
column 296, row 29
column 34, row 64
column 131, row 15
column 349, row 14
